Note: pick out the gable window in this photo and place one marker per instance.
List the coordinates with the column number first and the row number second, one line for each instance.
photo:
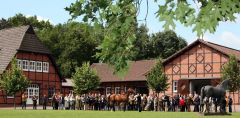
column 175, row 85
column 19, row 62
column 39, row 66
column 117, row 90
column 25, row 65
column 31, row 65
column 45, row 66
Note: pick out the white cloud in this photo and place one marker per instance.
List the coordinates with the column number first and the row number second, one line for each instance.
column 230, row 39
column 40, row 18
column 226, row 38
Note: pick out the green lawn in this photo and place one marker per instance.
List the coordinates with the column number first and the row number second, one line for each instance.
column 99, row 114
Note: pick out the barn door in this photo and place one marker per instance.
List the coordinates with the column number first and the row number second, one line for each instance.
column 183, row 86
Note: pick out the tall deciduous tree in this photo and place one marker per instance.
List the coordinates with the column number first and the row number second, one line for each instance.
column 156, row 79
column 231, row 71
column 13, row 80
column 140, row 46
column 166, row 43
column 20, row 20
column 85, row 79
column 72, row 44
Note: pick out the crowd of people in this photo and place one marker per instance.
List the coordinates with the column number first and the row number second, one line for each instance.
column 139, row 102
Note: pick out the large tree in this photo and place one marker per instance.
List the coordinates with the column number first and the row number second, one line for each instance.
column 231, row 71
column 156, row 79
column 140, row 46
column 85, row 79
column 118, row 17
column 166, row 43
column 20, row 20
column 13, row 80
column 72, row 44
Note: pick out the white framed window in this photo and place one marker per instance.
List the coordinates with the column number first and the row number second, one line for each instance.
column 19, row 62
column 45, row 66
column 117, row 90
column 38, row 66
column 31, row 65
column 108, row 90
column 25, row 65
column 175, row 86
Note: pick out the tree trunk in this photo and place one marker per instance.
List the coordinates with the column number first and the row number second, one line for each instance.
column 14, row 98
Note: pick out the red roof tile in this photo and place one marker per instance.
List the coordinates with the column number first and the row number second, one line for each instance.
column 136, row 72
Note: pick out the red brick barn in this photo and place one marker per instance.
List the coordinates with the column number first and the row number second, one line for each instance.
column 196, row 65
column 33, row 58
column 135, row 77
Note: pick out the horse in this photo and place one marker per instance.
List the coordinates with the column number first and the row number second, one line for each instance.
column 119, row 99
column 217, row 92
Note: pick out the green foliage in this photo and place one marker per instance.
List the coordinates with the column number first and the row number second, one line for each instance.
column 141, row 45
column 119, row 21
column 156, row 79
column 20, row 20
column 160, row 44
column 202, row 15
column 231, row 71
column 72, row 44
column 85, row 79
column 165, row 44
column 13, row 80
column 118, row 17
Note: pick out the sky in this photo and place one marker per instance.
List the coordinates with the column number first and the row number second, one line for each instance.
column 227, row 33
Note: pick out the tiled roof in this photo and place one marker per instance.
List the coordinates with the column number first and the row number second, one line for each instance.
column 224, row 50
column 136, row 72
column 18, row 38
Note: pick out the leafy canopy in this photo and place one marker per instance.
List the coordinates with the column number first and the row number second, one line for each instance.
column 231, row 71
column 20, row 20
column 85, row 79
column 72, row 44
column 13, row 80
column 118, row 18
column 156, row 79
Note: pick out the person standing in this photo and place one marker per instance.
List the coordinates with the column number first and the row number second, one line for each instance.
column 72, row 102
column 34, row 99
column 24, row 101
column 230, row 101
column 66, row 102
column 44, row 101
column 196, row 103
column 139, row 101
column 61, row 102
column 78, row 99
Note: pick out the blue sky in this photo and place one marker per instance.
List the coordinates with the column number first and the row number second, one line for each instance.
column 228, row 33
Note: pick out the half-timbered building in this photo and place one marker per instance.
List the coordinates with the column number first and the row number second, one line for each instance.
column 33, row 58
column 197, row 65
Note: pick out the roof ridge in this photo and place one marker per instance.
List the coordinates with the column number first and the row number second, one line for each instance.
column 8, row 28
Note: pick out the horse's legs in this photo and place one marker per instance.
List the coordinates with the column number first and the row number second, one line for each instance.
column 113, row 106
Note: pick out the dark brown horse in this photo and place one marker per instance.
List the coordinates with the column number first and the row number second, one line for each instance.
column 119, row 99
